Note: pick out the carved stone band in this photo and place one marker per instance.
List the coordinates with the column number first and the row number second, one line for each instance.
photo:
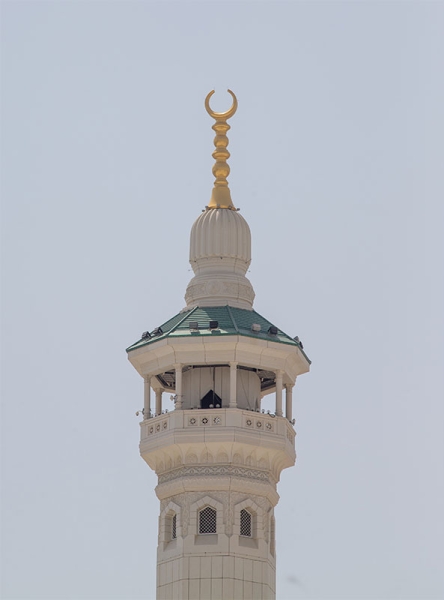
column 215, row 471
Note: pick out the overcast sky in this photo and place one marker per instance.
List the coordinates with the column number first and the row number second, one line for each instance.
column 337, row 165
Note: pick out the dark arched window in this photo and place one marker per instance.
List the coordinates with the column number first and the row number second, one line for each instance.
column 174, row 527
column 208, row 520
column 245, row 523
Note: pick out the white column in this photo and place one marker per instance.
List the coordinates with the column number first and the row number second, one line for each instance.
column 178, row 368
column 233, row 384
column 159, row 401
column 279, row 393
column 146, row 397
column 289, row 401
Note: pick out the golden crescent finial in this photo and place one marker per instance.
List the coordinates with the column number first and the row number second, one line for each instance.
column 221, row 196
column 226, row 115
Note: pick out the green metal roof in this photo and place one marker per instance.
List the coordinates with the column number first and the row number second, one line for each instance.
column 231, row 321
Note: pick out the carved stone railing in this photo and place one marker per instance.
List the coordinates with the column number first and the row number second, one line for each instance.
column 216, row 418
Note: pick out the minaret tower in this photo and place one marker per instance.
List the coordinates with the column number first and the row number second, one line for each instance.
column 218, row 455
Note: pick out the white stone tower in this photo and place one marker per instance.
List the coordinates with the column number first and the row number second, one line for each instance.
column 218, row 455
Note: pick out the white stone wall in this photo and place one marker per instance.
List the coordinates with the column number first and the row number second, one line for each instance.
column 215, row 578
column 217, row 566
column 229, row 460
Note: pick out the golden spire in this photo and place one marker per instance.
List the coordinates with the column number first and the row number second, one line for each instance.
column 221, row 196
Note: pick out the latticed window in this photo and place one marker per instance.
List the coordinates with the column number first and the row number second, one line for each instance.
column 245, row 523
column 174, row 527
column 207, row 520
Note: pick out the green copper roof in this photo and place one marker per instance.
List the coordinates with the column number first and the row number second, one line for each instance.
column 231, row 321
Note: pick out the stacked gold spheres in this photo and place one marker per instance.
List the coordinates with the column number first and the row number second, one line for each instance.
column 221, row 196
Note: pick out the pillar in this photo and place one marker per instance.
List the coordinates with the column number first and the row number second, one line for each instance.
column 146, row 397
column 233, row 384
column 179, row 394
column 289, row 401
column 279, row 393
column 159, row 401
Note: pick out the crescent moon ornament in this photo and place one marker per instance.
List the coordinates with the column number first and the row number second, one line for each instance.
column 221, row 116
column 221, row 196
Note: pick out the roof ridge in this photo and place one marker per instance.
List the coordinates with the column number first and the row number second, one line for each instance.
column 268, row 321
column 187, row 314
column 232, row 319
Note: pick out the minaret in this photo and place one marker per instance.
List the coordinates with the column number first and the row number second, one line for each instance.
column 218, row 455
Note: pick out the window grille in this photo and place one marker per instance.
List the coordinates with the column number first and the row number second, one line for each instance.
column 174, row 527
column 245, row 523
column 207, row 520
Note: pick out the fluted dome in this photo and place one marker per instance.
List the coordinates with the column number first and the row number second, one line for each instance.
column 221, row 233
column 220, row 253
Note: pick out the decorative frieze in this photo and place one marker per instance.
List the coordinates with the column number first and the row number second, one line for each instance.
column 215, row 471
column 214, row 417
column 151, row 428
column 172, row 460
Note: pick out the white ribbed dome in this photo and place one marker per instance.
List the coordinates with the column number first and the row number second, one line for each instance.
column 220, row 232
column 220, row 253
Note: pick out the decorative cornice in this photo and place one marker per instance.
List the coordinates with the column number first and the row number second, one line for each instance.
column 218, row 483
column 216, row 470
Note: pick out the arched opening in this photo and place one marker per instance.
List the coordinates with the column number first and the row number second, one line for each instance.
column 208, row 520
column 246, row 529
column 174, row 527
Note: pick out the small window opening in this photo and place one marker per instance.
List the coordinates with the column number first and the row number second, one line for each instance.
column 174, row 527
column 245, row 523
column 207, row 520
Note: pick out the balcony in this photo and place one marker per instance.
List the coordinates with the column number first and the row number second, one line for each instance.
column 228, row 436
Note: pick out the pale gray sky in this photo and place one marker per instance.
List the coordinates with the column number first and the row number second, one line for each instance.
column 337, row 163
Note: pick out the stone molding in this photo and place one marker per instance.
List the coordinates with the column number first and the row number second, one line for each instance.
column 216, row 470
column 218, row 484
column 217, row 290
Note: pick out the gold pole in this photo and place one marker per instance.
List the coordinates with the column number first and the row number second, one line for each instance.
column 221, row 195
